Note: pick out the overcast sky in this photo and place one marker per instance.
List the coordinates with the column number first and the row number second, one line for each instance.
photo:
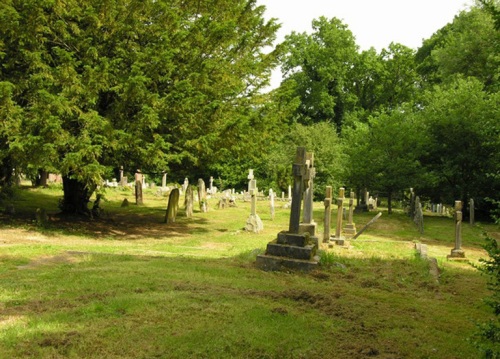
column 374, row 23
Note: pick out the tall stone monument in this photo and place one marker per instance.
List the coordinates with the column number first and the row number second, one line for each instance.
column 308, row 224
column 292, row 249
column 338, row 239
column 457, row 253
column 202, row 196
column 328, row 214
column 138, row 187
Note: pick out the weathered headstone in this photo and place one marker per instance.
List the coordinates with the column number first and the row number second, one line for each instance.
column 185, row 185
column 292, row 249
column 173, row 206
column 350, row 227
column 419, row 215
column 164, row 180
column 457, row 253
column 138, row 187
column 188, row 201
column 271, row 203
column 121, row 176
column 254, row 223
column 202, row 196
column 328, row 214
column 211, row 185
column 411, row 211
column 124, row 203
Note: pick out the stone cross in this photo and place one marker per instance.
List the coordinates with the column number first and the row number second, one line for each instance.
column 250, row 177
column 328, row 214
column 340, row 203
column 307, row 215
column 253, row 193
column 350, row 227
column 457, row 252
column 300, row 180
column 254, row 223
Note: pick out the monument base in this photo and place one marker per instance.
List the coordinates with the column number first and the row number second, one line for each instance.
column 340, row 241
column 350, row 229
column 307, row 228
column 290, row 250
column 254, row 224
column 456, row 255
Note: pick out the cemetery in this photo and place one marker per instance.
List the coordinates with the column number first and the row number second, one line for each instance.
column 162, row 197
column 173, row 274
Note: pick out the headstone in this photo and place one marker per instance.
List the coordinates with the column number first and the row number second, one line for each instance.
column 271, row 203
column 124, row 203
column 292, row 249
column 164, row 180
column 289, row 193
column 419, row 215
column 411, row 211
column 202, row 196
column 185, row 185
column 211, row 185
column 340, row 203
column 188, row 201
column 173, row 206
column 367, row 198
column 350, row 227
column 308, row 224
column 457, row 253
column 41, row 217
column 328, row 214
column 471, row 212
column 254, row 223
column 138, row 187
column 121, row 176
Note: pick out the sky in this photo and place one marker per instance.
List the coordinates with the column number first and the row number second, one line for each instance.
column 374, row 23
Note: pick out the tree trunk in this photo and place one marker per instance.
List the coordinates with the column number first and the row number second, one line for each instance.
column 6, row 166
column 42, row 178
column 389, row 202
column 76, row 197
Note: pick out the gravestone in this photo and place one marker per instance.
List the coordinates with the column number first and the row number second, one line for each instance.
column 188, row 201
column 411, row 211
column 173, row 206
column 419, row 215
column 124, row 203
column 292, row 249
column 250, row 178
column 457, row 253
column 350, row 227
column 254, row 223
column 138, row 187
column 164, row 180
column 308, row 224
column 271, row 203
column 211, row 188
column 338, row 239
column 202, row 196
column 328, row 214
column 121, row 176
column 185, row 185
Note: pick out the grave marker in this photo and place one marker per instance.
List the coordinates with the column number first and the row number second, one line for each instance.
column 457, row 253
column 173, row 206
column 138, row 187
column 350, row 227
column 328, row 214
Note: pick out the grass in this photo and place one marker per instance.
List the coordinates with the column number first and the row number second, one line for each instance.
column 130, row 286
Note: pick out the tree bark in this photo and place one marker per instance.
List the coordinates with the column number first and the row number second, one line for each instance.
column 76, row 197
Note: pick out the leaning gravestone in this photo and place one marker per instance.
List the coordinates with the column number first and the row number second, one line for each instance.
column 292, row 249
column 173, row 206
column 188, row 201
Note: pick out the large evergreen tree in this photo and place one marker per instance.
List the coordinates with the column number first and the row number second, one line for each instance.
column 148, row 84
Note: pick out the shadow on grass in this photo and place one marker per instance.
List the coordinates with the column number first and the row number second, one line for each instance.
column 132, row 222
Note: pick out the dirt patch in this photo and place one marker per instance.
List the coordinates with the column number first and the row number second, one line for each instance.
column 66, row 257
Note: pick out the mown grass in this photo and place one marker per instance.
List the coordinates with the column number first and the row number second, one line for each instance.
column 130, row 286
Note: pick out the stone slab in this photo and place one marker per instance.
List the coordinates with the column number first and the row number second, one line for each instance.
column 273, row 263
column 307, row 228
column 293, row 239
column 294, row 252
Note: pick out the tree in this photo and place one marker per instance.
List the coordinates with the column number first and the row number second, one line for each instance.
column 319, row 64
column 462, row 124
column 145, row 84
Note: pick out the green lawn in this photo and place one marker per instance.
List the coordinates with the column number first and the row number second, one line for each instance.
column 130, row 286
